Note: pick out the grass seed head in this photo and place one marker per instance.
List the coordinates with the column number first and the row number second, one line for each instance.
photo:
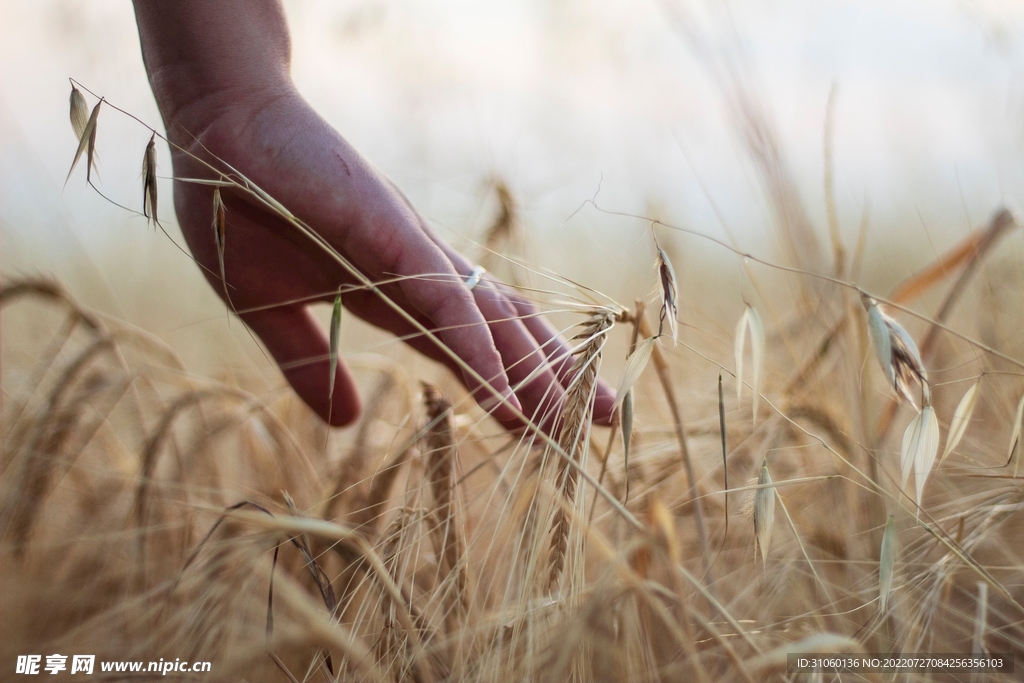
column 574, row 430
column 669, row 296
column 627, row 431
column 635, row 365
column 920, row 446
column 897, row 354
column 961, row 417
column 87, row 144
column 764, row 511
column 79, row 112
column 335, row 335
column 750, row 321
column 886, row 563
column 220, row 227
column 1018, row 424
column 149, row 181
column 442, row 455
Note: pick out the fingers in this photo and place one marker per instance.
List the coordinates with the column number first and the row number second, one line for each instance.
column 437, row 292
column 559, row 354
column 528, row 368
column 540, row 398
column 299, row 346
column 526, row 340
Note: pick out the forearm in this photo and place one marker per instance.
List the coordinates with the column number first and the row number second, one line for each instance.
column 212, row 52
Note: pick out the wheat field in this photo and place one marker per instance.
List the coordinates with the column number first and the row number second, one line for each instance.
column 833, row 471
column 150, row 512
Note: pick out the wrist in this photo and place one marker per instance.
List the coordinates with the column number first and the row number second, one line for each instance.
column 203, row 57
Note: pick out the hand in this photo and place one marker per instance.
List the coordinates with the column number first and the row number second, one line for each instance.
column 273, row 137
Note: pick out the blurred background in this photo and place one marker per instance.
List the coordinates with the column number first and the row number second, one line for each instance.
column 636, row 103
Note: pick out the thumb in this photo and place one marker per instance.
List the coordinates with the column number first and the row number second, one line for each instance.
column 302, row 351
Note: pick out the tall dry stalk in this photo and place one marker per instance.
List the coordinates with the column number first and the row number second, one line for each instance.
column 442, row 459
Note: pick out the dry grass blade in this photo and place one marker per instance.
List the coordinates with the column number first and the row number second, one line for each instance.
column 886, row 563
column 897, row 354
column 920, row 446
column 739, row 346
column 149, row 181
column 1018, row 423
column 725, row 450
column 961, row 417
column 79, row 112
column 627, row 435
column 764, row 511
column 320, row 578
column 750, row 321
column 87, row 144
column 335, row 337
column 980, row 621
column 669, row 296
column 665, row 378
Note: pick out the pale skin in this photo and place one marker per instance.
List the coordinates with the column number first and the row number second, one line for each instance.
column 220, row 74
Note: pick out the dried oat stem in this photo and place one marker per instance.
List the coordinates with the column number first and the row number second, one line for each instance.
column 639, row 307
column 665, row 377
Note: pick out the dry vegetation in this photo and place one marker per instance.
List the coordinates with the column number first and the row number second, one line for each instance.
column 146, row 512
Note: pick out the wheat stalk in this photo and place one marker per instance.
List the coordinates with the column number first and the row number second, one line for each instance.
column 442, row 458
column 573, row 431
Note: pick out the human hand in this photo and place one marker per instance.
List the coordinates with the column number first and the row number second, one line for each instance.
column 269, row 134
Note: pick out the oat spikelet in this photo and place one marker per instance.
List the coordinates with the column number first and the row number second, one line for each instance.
column 149, row 181
column 635, row 365
column 220, row 225
column 961, row 417
column 750, row 321
column 669, row 296
column 574, row 430
column 897, row 354
column 764, row 512
column 335, row 336
column 920, row 445
column 79, row 112
column 87, row 144
column 886, row 563
column 441, row 455
column 725, row 450
column 1018, row 424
